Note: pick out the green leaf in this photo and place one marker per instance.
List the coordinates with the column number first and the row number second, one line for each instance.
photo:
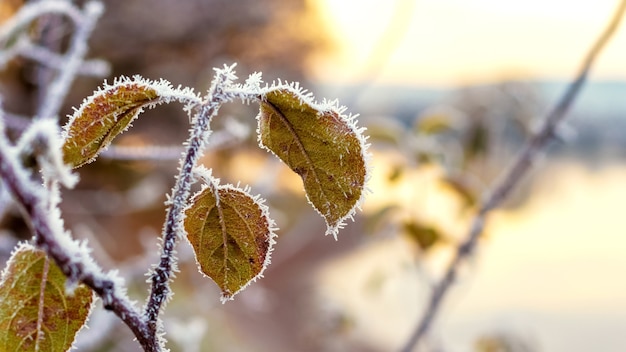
column 102, row 117
column 231, row 236
column 321, row 145
column 26, row 315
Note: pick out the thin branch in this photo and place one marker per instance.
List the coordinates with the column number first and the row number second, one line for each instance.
column 219, row 140
column 143, row 153
column 96, row 67
column 16, row 122
column 33, row 10
column 511, row 178
column 73, row 59
column 172, row 229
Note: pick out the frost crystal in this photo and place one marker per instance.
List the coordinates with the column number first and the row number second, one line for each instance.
column 321, row 161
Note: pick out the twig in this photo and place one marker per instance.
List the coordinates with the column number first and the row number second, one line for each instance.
column 31, row 11
column 73, row 59
column 172, row 229
column 219, row 140
column 511, row 178
column 143, row 153
column 95, row 67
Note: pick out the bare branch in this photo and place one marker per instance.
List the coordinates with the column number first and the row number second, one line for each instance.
column 31, row 11
column 511, row 178
column 219, row 140
column 97, row 68
column 73, row 58
column 144, row 153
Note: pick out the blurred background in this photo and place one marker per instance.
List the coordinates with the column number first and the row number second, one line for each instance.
column 449, row 90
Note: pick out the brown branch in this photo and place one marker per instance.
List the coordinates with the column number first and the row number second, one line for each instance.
column 160, row 290
column 511, row 178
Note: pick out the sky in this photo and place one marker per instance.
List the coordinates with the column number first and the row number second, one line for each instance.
column 451, row 42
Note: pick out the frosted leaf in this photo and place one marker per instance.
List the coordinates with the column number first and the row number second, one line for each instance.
column 231, row 234
column 35, row 313
column 109, row 112
column 321, row 145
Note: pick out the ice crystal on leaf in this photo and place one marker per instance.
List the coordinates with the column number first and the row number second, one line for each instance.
column 110, row 111
column 319, row 143
column 35, row 311
column 231, row 233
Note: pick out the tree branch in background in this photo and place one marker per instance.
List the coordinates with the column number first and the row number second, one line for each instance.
column 510, row 179
column 73, row 59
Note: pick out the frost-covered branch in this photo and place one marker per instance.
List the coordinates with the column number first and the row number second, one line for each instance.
column 73, row 258
column 72, row 61
column 511, row 177
column 146, row 153
column 30, row 11
column 68, row 65
column 173, row 228
column 95, row 67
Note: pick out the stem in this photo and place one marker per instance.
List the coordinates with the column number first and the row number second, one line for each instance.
column 173, row 227
column 511, row 178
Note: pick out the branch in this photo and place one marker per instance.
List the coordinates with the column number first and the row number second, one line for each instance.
column 511, row 178
column 73, row 60
column 73, row 259
column 31, row 11
column 43, row 56
column 219, row 140
column 160, row 290
column 143, row 153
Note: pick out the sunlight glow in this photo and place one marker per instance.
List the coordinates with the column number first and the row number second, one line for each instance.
column 454, row 41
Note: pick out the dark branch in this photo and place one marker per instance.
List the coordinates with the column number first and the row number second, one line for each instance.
column 172, row 229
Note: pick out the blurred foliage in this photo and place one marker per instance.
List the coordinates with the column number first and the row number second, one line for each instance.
column 502, row 343
column 425, row 237
column 468, row 138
